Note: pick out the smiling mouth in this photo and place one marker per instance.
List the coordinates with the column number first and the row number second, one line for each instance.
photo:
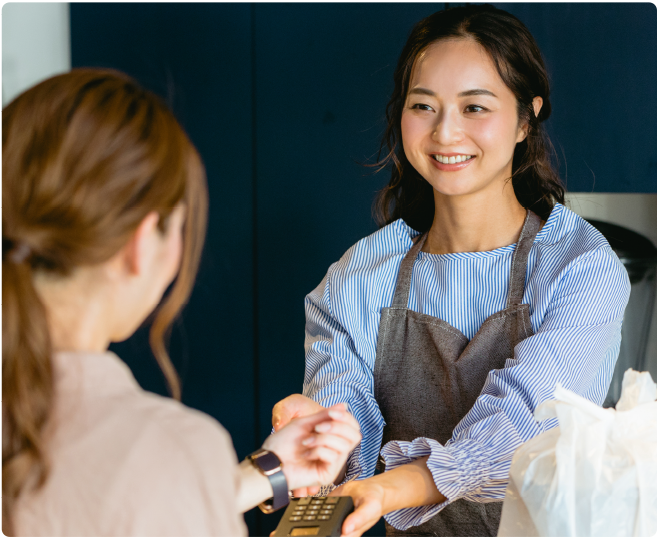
column 453, row 159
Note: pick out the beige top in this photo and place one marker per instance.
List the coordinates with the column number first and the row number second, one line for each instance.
column 127, row 462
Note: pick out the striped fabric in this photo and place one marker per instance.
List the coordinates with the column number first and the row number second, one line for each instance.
column 577, row 290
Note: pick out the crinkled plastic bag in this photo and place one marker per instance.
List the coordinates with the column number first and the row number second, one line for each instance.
column 593, row 475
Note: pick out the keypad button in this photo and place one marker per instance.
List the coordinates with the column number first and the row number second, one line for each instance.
column 326, row 512
column 324, row 517
column 311, row 512
column 329, row 506
column 304, row 500
column 298, row 513
column 295, row 518
column 309, row 518
column 332, row 500
column 317, row 501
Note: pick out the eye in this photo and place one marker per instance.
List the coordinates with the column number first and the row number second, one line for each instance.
column 422, row 106
column 475, row 108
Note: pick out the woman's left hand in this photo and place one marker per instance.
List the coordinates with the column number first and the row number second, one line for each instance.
column 369, row 500
column 313, row 449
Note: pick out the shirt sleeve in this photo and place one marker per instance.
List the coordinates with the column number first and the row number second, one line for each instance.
column 576, row 345
column 335, row 372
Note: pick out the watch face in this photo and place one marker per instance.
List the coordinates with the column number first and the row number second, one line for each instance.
column 267, row 461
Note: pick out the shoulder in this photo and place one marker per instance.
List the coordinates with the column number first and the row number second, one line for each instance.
column 370, row 266
column 568, row 244
column 566, row 238
column 566, row 229
column 387, row 244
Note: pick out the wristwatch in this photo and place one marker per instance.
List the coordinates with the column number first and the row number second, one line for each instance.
column 270, row 466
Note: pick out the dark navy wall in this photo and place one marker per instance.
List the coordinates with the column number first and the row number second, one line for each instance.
column 284, row 101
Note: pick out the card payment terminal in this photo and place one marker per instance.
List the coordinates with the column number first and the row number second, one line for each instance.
column 314, row 516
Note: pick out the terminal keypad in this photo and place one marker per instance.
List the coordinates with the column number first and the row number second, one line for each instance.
column 314, row 509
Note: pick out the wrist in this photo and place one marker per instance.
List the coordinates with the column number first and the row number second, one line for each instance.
column 269, row 465
column 407, row 486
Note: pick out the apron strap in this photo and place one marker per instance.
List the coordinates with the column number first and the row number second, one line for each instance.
column 404, row 279
column 519, row 261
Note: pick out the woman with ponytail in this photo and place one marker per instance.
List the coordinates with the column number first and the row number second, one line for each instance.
column 445, row 329
column 104, row 206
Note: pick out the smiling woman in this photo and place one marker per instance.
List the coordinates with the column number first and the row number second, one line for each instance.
column 444, row 330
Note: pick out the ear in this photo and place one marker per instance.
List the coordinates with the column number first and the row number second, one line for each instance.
column 537, row 103
column 134, row 253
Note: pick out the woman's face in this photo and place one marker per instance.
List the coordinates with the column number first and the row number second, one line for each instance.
column 460, row 122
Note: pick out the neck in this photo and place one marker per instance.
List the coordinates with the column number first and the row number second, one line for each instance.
column 75, row 311
column 476, row 222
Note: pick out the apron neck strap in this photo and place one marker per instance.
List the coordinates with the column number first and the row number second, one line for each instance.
column 404, row 279
column 518, row 264
column 519, row 260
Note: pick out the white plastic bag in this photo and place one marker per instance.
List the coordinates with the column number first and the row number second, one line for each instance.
column 593, row 475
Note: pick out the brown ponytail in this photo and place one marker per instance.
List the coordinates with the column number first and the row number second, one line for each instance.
column 86, row 156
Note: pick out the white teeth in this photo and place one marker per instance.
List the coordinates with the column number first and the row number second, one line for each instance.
column 452, row 160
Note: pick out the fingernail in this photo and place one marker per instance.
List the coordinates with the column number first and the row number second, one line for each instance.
column 323, row 427
column 349, row 528
column 335, row 414
column 308, row 441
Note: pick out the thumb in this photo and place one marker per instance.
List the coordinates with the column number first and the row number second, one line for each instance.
column 282, row 415
column 365, row 516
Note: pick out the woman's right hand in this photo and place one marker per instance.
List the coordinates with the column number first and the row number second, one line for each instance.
column 285, row 411
column 315, row 447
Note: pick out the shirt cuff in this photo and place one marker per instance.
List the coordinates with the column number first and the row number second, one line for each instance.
column 353, row 470
column 457, row 471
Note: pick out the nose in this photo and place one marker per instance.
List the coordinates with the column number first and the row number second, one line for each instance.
column 448, row 128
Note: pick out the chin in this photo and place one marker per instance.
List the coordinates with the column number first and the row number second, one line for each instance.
column 453, row 189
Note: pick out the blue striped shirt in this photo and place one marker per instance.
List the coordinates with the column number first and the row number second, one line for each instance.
column 577, row 291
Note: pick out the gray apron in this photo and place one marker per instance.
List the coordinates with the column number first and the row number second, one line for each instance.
column 428, row 375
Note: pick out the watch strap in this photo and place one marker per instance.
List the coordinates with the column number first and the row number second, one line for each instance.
column 271, row 467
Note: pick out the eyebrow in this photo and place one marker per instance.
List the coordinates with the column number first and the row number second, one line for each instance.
column 467, row 93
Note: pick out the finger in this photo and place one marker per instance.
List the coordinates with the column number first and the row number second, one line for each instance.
column 301, row 492
column 313, row 490
column 282, row 415
column 325, row 455
column 340, row 429
column 345, row 417
column 326, row 415
column 335, row 442
column 279, row 420
column 361, row 519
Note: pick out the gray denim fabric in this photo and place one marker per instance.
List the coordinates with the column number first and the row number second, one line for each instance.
column 428, row 375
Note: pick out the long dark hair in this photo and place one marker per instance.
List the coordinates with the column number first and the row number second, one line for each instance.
column 518, row 60
column 85, row 157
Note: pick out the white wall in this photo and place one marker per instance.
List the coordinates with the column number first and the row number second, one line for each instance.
column 639, row 212
column 35, row 45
